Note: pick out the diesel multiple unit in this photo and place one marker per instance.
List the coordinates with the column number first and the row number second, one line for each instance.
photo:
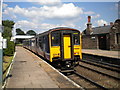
column 61, row 46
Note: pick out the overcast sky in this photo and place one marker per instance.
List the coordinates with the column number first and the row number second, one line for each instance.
column 43, row 15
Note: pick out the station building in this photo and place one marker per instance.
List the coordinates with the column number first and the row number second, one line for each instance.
column 106, row 37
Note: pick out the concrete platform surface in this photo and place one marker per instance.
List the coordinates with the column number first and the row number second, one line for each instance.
column 113, row 54
column 29, row 71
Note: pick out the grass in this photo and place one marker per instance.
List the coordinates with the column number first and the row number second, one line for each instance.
column 19, row 44
column 6, row 62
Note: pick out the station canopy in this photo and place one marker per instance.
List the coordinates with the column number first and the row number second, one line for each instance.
column 20, row 37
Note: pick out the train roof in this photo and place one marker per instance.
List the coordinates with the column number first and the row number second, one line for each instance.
column 62, row 28
column 58, row 28
column 53, row 29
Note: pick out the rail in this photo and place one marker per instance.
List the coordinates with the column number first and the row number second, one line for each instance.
column 114, row 77
column 103, row 59
column 112, row 65
column 102, row 65
column 91, row 81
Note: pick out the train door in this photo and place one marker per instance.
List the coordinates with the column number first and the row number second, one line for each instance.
column 67, row 46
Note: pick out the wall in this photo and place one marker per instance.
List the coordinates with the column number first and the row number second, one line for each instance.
column 114, row 45
column 89, row 42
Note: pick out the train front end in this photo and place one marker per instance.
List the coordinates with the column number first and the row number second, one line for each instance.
column 65, row 47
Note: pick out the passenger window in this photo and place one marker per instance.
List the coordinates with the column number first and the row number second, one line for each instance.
column 33, row 42
column 76, row 39
column 40, row 43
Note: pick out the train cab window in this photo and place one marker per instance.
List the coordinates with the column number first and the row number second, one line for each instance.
column 55, row 39
column 76, row 39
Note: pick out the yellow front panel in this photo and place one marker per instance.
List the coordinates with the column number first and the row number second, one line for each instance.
column 77, row 50
column 67, row 46
column 55, row 52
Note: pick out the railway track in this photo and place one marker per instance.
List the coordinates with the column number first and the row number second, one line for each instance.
column 102, row 63
column 109, row 61
column 85, row 82
column 105, row 77
column 91, row 81
column 107, row 71
column 100, row 72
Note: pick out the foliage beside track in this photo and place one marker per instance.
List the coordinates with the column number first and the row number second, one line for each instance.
column 6, row 63
column 7, row 34
column 9, row 51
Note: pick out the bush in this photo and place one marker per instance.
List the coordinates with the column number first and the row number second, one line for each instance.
column 9, row 51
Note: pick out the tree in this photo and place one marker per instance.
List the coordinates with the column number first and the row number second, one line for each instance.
column 7, row 33
column 8, row 23
column 31, row 32
column 19, row 32
column 9, row 51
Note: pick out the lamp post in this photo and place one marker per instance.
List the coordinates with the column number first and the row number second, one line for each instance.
column 1, row 49
column 1, row 58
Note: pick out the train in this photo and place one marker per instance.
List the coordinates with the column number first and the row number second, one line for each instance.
column 60, row 46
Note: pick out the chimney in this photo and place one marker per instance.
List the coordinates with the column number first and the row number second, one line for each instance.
column 89, row 19
column 104, row 24
column 89, row 26
column 111, row 23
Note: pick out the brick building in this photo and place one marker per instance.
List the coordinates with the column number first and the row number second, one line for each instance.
column 105, row 37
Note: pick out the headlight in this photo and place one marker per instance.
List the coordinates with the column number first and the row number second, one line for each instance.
column 77, row 53
column 56, row 55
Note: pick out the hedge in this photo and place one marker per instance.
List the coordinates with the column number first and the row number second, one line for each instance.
column 9, row 51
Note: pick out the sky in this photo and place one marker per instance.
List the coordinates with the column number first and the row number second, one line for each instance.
column 41, row 15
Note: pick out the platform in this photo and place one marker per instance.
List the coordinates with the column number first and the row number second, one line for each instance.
column 105, row 53
column 29, row 71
